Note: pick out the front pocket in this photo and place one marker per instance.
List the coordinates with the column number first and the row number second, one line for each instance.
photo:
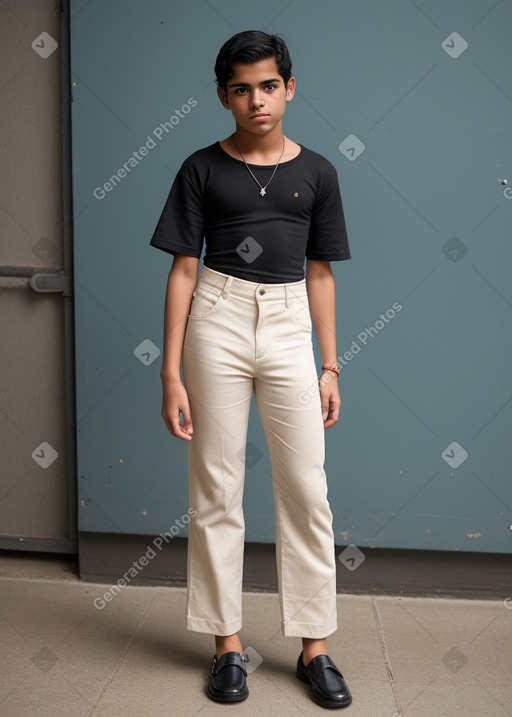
column 301, row 314
column 205, row 299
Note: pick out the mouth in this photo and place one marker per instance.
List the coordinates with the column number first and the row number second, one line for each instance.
column 260, row 116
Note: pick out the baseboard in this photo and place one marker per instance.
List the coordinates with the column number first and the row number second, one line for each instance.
column 136, row 560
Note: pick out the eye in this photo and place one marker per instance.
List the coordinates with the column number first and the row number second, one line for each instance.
column 240, row 90
column 270, row 87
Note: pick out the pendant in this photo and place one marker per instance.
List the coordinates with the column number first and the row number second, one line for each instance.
column 262, row 192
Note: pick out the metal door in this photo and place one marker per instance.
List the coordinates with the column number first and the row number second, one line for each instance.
column 37, row 474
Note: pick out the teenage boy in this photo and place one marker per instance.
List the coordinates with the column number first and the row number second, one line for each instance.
column 265, row 206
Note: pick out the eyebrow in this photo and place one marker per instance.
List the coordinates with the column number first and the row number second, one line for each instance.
column 246, row 84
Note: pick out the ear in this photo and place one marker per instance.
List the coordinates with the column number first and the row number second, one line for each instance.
column 223, row 97
column 290, row 89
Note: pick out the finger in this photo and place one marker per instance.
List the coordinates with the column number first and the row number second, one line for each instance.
column 186, row 422
column 324, row 401
column 333, row 414
column 175, row 428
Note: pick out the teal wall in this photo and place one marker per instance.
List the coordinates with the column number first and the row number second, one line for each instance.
column 421, row 457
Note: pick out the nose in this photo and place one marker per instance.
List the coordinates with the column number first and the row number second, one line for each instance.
column 256, row 98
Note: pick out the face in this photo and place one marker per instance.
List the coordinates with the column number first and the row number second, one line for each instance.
column 257, row 95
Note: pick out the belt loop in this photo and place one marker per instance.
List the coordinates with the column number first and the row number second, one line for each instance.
column 286, row 301
column 226, row 287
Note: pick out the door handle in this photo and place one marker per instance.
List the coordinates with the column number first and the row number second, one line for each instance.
column 41, row 279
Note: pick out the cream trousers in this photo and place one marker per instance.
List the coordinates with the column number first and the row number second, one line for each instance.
column 243, row 337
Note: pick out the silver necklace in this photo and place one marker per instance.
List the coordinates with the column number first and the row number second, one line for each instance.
column 262, row 188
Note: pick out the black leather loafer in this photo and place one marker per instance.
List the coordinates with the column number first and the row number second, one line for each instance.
column 227, row 681
column 328, row 687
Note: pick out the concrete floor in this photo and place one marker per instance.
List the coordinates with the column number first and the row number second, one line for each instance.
column 61, row 656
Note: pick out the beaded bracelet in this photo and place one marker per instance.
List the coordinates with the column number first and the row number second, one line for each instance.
column 331, row 368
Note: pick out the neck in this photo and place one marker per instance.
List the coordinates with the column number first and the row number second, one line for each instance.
column 268, row 144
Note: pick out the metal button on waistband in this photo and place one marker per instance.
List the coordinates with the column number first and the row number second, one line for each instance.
column 262, row 291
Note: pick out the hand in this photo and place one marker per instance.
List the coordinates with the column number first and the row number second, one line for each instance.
column 329, row 398
column 174, row 403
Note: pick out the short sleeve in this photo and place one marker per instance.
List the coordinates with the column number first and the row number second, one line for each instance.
column 328, row 239
column 180, row 228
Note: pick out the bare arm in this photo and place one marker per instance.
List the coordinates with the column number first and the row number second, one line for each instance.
column 322, row 305
column 180, row 287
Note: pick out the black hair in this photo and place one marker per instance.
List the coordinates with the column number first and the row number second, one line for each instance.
column 248, row 47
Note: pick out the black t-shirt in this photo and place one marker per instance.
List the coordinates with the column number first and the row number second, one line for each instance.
column 263, row 239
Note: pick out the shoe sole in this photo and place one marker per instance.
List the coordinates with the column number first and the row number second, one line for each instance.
column 227, row 699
